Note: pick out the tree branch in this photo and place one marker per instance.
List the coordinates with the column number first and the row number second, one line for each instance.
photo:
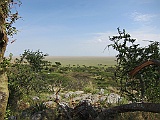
column 144, row 64
column 145, row 107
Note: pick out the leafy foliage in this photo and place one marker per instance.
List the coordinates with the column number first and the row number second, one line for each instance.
column 24, row 78
column 35, row 59
column 8, row 10
column 145, row 85
column 6, row 62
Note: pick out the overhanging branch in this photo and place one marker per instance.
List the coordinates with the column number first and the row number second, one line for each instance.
column 144, row 64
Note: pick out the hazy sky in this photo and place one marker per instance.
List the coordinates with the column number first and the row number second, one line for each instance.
column 82, row 27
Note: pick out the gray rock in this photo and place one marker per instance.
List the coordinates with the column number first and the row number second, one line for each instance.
column 95, row 98
column 78, row 92
column 12, row 118
column 68, row 94
column 86, row 96
column 53, row 96
column 37, row 116
column 113, row 98
column 48, row 103
column 102, row 98
column 83, row 97
column 101, row 92
column 87, row 101
column 35, row 98
column 63, row 105
column 77, row 98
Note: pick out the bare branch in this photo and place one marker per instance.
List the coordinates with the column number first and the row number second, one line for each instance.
column 144, row 64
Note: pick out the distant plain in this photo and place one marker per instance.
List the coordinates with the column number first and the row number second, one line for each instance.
column 83, row 60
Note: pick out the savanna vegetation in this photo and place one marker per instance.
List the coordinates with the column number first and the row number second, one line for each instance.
column 39, row 78
column 29, row 83
column 31, row 76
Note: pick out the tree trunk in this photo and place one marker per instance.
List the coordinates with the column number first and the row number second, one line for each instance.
column 4, row 94
column 107, row 114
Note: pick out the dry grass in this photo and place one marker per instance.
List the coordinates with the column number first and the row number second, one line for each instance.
column 82, row 60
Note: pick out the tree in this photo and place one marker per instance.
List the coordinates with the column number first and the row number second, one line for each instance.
column 138, row 71
column 144, row 86
column 35, row 59
column 23, row 80
column 7, row 18
column 145, row 107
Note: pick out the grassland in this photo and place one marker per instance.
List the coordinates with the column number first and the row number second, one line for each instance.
column 82, row 60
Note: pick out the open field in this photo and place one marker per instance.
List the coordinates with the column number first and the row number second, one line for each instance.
column 82, row 60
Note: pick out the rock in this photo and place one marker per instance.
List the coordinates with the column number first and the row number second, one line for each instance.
column 64, row 106
column 49, row 103
column 101, row 92
column 78, row 92
column 68, row 94
column 83, row 97
column 86, row 102
column 95, row 98
column 86, row 96
column 35, row 98
column 102, row 98
column 113, row 98
column 53, row 96
column 77, row 98
column 36, row 116
column 12, row 118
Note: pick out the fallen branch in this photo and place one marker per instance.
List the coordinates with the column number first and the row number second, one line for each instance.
column 145, row 107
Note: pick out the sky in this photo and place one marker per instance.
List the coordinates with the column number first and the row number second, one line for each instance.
column 82, row 27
